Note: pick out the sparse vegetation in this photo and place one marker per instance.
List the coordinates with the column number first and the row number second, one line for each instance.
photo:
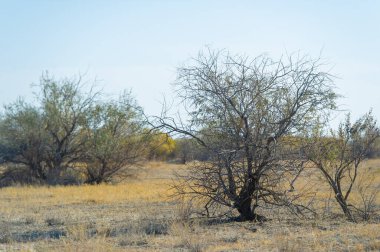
column 253, row 167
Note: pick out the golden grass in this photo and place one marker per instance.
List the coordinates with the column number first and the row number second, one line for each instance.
column 103, row 193
column 151, row 185
column 120, row 217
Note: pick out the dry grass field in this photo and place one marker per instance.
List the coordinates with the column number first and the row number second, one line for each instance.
column 138, row 215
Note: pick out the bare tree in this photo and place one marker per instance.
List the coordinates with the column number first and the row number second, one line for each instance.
column 239, row 109
column 339, row 156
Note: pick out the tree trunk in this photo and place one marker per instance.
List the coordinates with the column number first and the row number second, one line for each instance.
column 341, row 201
column 344, row 206
column 53, row 177
column 245, row 210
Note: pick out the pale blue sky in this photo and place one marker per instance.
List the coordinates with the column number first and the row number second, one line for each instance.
column 138, row 44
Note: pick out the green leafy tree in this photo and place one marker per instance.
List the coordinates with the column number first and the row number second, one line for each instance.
column 45, row 137
column 23, row 140
column 115, row 139
column 65, row 109
column 69, row 128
